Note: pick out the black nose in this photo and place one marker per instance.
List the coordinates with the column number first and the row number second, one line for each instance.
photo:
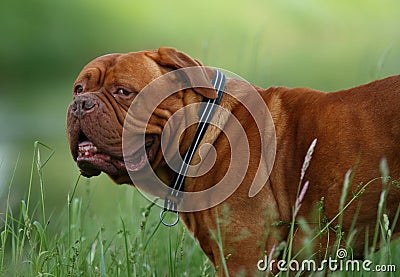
column 82, row 105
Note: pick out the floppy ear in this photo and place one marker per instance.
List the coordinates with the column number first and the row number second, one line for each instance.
column 169, row 57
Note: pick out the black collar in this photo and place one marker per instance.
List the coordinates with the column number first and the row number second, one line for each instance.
column 205, row 115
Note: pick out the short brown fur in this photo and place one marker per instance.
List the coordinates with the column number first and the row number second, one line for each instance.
column 355, row 129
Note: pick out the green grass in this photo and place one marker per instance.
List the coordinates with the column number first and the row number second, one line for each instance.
column 72, row 243
column 75, row 242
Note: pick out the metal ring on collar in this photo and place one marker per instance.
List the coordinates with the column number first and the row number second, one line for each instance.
column 162, row 214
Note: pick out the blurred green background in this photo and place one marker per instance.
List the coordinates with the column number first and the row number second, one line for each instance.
column 327, row 45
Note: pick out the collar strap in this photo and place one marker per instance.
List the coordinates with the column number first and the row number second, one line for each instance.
column 205, row 115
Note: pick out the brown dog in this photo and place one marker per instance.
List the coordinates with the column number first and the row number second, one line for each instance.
column 355, row 129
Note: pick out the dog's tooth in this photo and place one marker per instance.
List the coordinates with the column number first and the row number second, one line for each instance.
column 86, row 150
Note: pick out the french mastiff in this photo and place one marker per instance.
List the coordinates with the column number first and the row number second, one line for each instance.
column 355, row 129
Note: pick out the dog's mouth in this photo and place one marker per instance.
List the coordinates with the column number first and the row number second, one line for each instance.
column 92, row 160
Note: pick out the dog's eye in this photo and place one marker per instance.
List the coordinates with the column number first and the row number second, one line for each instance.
column 78, row 89
column 124, row 92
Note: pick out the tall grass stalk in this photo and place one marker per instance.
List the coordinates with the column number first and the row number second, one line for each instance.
column 102, row 263
column 345, row 189
column 152, row 235
column 6, row 230
column 36, row 159
column 288, row 252
column 385, row 238
column 171, row 267
column 69, row 213
column 353, row 231
column 125, row 234
column 217, row 237
column 25, row 212
column 396, row 217
column 355, row 197
column 382, row 200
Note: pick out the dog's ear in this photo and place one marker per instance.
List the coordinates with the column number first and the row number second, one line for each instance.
column 171, row 58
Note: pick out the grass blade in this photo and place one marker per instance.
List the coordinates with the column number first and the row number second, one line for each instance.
column 102, row 263
column 382, row 201
column 3, row 235
column 40, row 167
column 42, row 235
column 125, row 234
column 304, row 168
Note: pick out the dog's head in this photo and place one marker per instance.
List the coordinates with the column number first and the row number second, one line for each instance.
column 102, row 96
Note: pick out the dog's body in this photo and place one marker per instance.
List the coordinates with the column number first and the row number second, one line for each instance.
column 355, row 129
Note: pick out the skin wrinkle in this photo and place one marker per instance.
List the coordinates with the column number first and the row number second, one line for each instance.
column 108, row 104
column 108, row 101
column 119, row 111
column 101, row 77
column 163, row 115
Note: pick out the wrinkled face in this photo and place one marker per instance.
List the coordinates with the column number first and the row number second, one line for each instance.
column 102, row 98
column 102, row 95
